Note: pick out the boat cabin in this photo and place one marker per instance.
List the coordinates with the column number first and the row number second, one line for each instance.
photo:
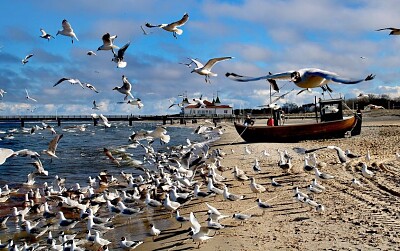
column 331, row 109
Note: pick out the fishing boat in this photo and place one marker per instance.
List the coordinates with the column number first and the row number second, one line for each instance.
column 332, row 124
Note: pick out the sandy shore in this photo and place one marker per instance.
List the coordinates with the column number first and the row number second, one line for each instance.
column 363, row 218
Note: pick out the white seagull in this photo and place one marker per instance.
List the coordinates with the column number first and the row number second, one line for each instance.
column 365, row 172
column 2, row 92
column 72, row 81
column 67, row 30
column 119, row 56
column 51, row 151
column 105, row 120
column 45, row 35
column 25, row 60
column 108, row 43
column 135, row 102
column 91, row 87
column 125, row 88
column 28, row 97
column 5, row 153
column 206, row 69
column 172, row 27
column 91, row 53
column 303, row 78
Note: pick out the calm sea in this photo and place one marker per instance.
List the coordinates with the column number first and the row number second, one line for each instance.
column 80, row 154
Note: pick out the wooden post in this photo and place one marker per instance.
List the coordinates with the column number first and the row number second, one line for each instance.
column 22, row 122
column 130, row 121
column 164, row 120
column 94, row 122
column 58, row 121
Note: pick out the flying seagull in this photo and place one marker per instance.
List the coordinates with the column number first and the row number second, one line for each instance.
column 25, row 60
column 28, row 97
column 108, row 43
column 119, row 56
column 51, row 151
column 206, row 69
column 303, row 78
column 91, row 53
column 125, row 88
column 393, row 31
column 136, row 102
column 91, row 87
column 172, row 27
column 95, row 106
column 45, row 35
column 72, row 81
column 2, row 92
column 67, row 31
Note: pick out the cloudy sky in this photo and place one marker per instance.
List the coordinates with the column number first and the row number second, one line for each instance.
column 262, row 36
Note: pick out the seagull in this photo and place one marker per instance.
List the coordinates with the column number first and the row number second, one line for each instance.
column 99, row 240
column 256, row 188
column 172, row 27
column 109, row 155
column 313, row 189
column 72, row 81
column 91, row 87
column 256, row 166
column 154, row 231
column 303, row 78
column 275, row 184
column 320, row 208
column 125, row 88
column 136, row 102
column 70, row 223
column 206, row 69
column 2, row 92
column 95, row 106
column 67, row 30
column 91, row 53
column 351, row 155
column 129, row 244
column 356, row 183
column 45, row 35
column 315, row 184
column 25, row 60
column 199, row 234
column 4, row 154
column 365, row 172
column 105, row 120
column 108, row 41
column 241, row 217
column 39, row 167
column 263, row 205
column 170, row 205
column 180, row 218
column 119, row 56
column 393, row 31
column 51, row 151
column 341, row 154
column 322, row 176
column 28, row 97
column 230, row 196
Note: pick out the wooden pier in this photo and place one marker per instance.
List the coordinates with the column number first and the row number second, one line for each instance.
column 171, row 119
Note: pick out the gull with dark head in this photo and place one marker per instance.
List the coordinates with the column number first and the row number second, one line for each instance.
column 125, row 88
column 91, row 53
column 119, row 56
column 45, row 35
column 26, row 59
column 205, row 70
column 95, row 106
column 72, row 81
column 172, row 27
column 67, row 31
column 303, row 78
column 91, row 87
column 108, row 43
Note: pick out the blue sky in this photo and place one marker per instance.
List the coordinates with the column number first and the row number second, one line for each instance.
column 262, row 36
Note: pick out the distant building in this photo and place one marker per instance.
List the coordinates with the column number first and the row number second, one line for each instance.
column 213, row 108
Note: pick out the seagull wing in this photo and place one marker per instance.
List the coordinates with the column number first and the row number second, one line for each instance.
column 122, row 50
column 273, row 83
column 105, row 120
column 66, row 26
column 389, row 28
column 148, row 25
column 181, row 22
column 54, row 143
column 127, row 85
column 335, row 78
column 277, row 76
column 106, row 39
column 43, row 32
column 4, row 154
column 61, row 80
column 213, row 61
column 195, row 223
column 213, row 209
column 198, row 64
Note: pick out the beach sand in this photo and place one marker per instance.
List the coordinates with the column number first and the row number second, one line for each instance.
column 355, row 218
